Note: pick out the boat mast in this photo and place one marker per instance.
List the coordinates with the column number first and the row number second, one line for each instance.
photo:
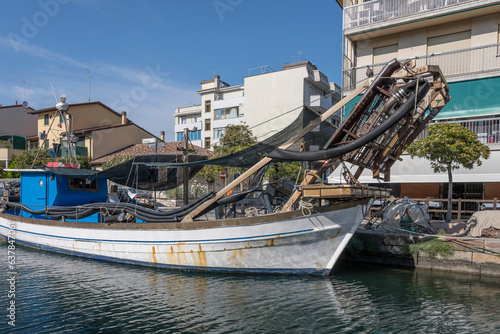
column 61, row 110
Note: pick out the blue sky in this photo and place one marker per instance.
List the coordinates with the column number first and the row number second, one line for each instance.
column 148, row 57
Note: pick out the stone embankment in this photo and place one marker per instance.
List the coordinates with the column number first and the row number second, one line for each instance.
column 479, row 256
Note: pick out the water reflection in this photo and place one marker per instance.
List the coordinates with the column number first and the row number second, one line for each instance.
column 58, row 293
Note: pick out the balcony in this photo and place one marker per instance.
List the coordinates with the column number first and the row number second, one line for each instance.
column 190, row 126
column 456, row 65
column 369, row 14
column 487, row 129
column 320, row 103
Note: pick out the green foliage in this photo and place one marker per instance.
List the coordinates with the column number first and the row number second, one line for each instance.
column 26, row 159
column 116, row 160
column 286, row 170
column 236, row 138
column 433, row 247
column 84, row 162
column 5, row 144
column 450, row 146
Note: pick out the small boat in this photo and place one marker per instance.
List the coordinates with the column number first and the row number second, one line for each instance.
column 65, row 209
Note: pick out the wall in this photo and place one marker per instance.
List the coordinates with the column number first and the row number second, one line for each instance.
column 16, row 121
column 273, row 94
column 492, row 190
column 93, row 115
column 419, row 170
column 483, row 31
column 479, row 257
column 420, row 190
column 110, row 140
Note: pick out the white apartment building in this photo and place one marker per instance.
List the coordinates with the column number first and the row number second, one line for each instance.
column 266, row 102
column 463, row 38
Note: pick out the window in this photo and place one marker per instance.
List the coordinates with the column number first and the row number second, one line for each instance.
column 450, row 42
column 219, row 132
column 183, row 120
column 194, row 135
column 208, row 106
column 82, row 184
column 207, row 124
column 46, row 144
column 207, row 142
column 46, row 119
column 232, row 112
column 385, row 53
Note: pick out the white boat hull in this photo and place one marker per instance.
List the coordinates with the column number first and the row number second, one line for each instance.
column 278, row 243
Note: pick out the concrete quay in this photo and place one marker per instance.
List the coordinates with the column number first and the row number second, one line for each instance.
column 479, row 256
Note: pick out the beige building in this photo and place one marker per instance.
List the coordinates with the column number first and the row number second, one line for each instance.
column 463, row 38
column 97, row 130
column 15, row 120
column 266, row 102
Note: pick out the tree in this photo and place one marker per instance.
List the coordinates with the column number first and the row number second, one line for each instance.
column 450, row 146
column 84, row 162
column 235, row 139
column 288, row 170
column 26, row 159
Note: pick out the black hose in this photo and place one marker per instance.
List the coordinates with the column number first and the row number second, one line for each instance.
column 359, row 142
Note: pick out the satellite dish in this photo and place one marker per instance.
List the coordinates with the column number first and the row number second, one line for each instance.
column 25, row 104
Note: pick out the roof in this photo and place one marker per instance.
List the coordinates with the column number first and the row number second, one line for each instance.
column 15, row 106
column 80, row 131
column 38, row 111
column 141, row 149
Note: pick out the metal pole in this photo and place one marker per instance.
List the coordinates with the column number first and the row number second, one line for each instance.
column 185, row 179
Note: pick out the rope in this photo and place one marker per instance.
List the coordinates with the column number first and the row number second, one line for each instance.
column 306, row 206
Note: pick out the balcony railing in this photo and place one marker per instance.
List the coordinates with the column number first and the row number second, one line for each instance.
column 372, row 12
column 487, row 129
column 453, row 64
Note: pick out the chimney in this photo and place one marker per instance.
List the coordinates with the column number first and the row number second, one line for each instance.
column 124, row 117
column 16, row 102
column 162, row 136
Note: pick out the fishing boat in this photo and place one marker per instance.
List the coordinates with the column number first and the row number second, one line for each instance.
column 65, row 209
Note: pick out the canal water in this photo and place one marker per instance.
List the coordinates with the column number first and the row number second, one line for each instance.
column 62, row 294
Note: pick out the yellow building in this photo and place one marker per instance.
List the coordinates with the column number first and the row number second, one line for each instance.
column 94, row 128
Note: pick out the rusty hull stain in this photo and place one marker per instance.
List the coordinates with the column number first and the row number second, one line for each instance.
column 202, row 257
column 154, row 255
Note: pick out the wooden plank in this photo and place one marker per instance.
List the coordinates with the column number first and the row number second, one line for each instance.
column 341, row 191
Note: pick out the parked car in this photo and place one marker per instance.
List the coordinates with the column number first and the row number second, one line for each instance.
column 134, row 196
